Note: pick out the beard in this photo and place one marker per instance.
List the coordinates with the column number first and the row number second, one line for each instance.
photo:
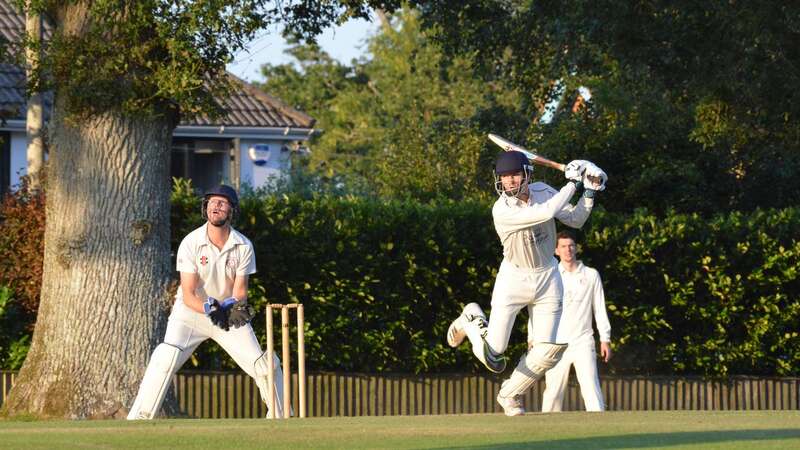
column 219, row 221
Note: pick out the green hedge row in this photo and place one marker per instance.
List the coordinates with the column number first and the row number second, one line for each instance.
column 382, row 281
column 712, row 296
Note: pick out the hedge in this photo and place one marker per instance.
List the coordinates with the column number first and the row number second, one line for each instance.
column 381, row 282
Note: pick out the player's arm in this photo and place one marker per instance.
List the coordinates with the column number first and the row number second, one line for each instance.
column 601, row 317
column 512, row 219
column 189, row 284
column 240, row 312
column 240, row 287
column 576, row 215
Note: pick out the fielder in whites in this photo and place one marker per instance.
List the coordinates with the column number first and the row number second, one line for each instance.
column 215, row 262
column 583, row 299
column 528, row 277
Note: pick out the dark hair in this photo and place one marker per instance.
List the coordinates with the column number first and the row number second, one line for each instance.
column 566, row 234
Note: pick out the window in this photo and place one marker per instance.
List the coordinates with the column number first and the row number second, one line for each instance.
column 206, row 162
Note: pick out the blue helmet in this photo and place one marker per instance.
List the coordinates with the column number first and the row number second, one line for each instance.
column 223, row 190
column 511, row 162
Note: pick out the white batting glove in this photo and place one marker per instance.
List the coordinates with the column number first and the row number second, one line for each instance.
column 594, row 178
column 575, row 169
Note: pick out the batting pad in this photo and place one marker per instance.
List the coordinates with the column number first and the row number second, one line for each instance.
column 260, row 368
column 542, row 357
column 156, row 380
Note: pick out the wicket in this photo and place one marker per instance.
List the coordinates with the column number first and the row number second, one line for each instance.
column 301, row 359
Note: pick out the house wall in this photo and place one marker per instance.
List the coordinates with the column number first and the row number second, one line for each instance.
column 19, row 157
column 277, row 162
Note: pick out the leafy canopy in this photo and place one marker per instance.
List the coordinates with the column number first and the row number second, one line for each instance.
column 157, row 57
column 408, row 122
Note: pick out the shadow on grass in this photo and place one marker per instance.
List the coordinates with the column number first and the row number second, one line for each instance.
column 646, row 440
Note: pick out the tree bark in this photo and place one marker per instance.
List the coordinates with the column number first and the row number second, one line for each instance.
column 105, row 287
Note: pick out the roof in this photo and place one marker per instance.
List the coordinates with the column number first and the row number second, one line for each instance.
column 247, row 106
column 11, row 22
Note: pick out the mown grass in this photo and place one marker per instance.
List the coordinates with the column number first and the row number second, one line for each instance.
column 576, row 430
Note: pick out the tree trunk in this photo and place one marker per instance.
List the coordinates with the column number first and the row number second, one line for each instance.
column 35, row 153
column 105, row 287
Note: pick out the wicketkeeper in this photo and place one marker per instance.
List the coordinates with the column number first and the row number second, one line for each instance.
column 528, row 277
column 215, row 262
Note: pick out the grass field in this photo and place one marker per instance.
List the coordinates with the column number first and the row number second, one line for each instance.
column 623, row 430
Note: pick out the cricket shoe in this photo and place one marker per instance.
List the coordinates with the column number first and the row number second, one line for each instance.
column 456, row 332
column 512, row 406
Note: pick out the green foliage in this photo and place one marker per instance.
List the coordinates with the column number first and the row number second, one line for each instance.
column 378, row 279
column 689, row 108
column 408, row 123
column 159, row 57
column 381, row 282
column 15, row 338
column 706, row 296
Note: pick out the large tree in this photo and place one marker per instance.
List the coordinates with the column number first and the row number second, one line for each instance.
column 408, row 121
column 692, row 105
column 122, row 73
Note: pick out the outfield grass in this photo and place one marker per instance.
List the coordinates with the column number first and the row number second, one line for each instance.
column 623, row 430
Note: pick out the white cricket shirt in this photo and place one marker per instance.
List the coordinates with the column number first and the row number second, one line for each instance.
column 217, row 268
column 528, row 231
column 583, row 298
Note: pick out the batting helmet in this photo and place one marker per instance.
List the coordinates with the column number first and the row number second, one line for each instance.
column 226, row 191
column 512, row 162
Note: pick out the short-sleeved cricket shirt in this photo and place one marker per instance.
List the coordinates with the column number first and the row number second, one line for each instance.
column 217, row 268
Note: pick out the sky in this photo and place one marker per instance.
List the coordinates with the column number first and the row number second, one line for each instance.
column 343, row 43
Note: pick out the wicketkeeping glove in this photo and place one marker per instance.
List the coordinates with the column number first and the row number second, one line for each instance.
column 214, row 311
column 240, row 314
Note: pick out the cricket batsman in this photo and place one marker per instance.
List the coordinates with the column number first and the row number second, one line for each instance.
column 528, row 277
column 215, row 262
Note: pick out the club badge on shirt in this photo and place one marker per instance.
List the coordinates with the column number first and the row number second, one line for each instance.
column 232, row 262
column 203, row 260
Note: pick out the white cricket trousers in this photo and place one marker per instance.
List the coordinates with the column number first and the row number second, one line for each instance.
column 583, row 356
column 186, row 329
column 540, row 290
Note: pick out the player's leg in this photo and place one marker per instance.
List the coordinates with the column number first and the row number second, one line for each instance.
column 489, row 340
column 472, row 323
column 260, row 368
column 556, row 381
column 544, row 354
column 585, row 357
column 242, row 345
column 180, row 340
column 456, row 332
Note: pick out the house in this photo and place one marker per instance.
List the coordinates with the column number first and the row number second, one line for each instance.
column 247, row 146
